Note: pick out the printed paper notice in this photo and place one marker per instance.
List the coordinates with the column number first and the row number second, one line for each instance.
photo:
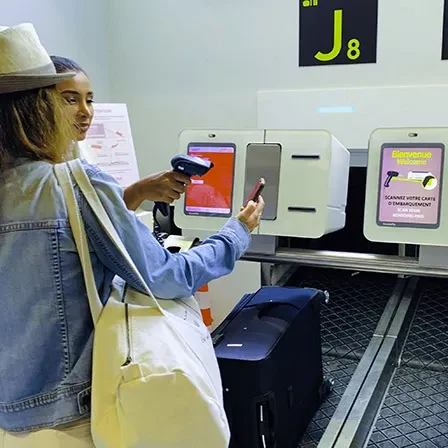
column 109, row 143
column 410, row 185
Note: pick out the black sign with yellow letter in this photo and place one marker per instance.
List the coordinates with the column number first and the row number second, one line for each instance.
column 337, row 32
column 445, row 32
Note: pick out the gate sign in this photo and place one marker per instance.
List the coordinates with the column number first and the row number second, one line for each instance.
column 335, row 32
column 445, row 31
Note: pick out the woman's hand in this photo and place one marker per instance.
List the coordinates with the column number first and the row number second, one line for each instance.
column 166, row 186
column 251, row 214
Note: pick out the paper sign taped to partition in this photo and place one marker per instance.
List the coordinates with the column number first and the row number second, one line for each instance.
column 109, row 143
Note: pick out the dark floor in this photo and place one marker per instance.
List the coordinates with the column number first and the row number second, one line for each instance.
column 348, row 322
column 356, row 304
column 415, row 412
column 341, row 371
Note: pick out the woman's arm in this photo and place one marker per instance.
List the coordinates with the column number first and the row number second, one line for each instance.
column 167, row 275
column 166, row 186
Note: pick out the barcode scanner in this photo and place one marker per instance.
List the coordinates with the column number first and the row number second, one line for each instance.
column 390, row 176
column 190, row 166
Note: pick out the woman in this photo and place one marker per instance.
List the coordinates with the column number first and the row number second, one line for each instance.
column 166, row 186
column 46, row 330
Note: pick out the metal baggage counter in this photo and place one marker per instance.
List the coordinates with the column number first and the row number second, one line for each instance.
column 415, row 410
column 384, row 334
column 385, row 345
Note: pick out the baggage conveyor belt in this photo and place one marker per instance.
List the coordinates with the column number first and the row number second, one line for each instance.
column 340, row 370
column 356, row 304
column 394, row 334
column 415, row 410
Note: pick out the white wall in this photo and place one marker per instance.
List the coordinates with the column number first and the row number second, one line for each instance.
column 76, row 29
column 199, row 63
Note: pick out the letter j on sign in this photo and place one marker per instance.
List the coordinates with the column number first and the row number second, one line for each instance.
column 335, row 32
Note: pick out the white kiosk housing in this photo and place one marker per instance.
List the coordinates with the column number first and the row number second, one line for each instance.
column 406, row 187
column 306, row 173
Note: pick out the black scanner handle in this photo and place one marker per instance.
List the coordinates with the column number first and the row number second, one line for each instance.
column 163, row 207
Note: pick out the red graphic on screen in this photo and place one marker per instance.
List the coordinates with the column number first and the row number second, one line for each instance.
column 212, row 193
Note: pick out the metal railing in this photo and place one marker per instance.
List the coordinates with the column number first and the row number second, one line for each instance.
column 386, row 264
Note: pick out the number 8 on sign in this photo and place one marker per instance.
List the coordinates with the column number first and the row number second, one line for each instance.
column 354, row 51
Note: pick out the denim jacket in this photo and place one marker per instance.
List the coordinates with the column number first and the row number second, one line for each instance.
column 46, row 330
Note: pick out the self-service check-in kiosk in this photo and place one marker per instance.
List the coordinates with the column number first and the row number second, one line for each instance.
column 406, row 191
column 306, row 175
column 405, row 187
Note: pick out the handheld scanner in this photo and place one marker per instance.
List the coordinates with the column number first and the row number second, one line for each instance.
column 390, row 176
column 190, row 166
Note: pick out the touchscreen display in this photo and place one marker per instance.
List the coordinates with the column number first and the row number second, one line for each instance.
column 212, row 194
column 410, row 185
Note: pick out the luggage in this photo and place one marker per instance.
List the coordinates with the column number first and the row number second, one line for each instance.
column 269, row 354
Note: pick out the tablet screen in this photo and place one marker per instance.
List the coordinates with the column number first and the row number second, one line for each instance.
column 212, row 194
column 410, row 185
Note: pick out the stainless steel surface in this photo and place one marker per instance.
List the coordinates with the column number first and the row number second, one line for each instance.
column 266, row 274
column 402, row 253
column 433, row 256
column 391, row 308
column 263, row 160
column 264, row 245
column 401, row 325
column 280, row 274
column 363, row 414
column 414, row 413
column 358, row 426
column 385, row 264
column 340, row 418
column 358, row 157
column 276, row 275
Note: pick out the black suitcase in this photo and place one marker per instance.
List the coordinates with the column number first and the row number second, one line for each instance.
column 270, row 357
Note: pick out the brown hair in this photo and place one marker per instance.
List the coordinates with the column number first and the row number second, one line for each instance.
column 34, row 124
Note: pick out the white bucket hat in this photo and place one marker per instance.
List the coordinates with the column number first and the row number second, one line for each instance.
column 24, row 62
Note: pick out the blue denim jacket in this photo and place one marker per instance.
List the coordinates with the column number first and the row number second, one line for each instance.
column 46, row 330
